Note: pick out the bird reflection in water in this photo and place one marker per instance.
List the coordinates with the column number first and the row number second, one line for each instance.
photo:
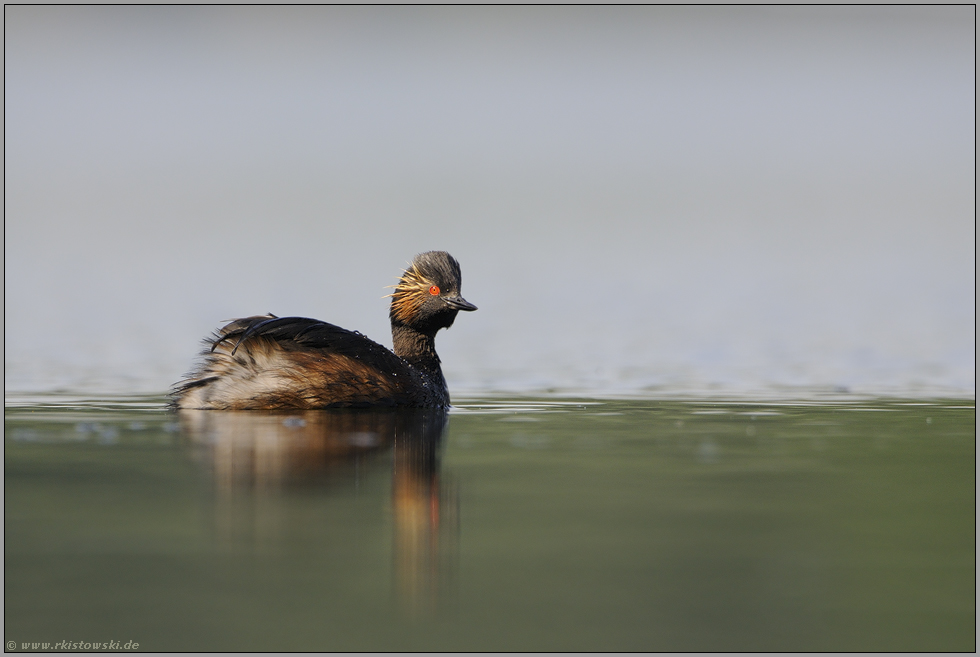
column 256, row 456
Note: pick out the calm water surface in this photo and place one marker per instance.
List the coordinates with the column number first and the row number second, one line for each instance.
column 511, row 524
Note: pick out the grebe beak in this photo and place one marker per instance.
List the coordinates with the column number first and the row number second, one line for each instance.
column 458, row 303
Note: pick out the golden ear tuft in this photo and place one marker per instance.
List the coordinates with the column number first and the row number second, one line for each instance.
column 408, row 297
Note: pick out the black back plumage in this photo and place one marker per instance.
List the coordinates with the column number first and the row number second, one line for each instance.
column 303, row 333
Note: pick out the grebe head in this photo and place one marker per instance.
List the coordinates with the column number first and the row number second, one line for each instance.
column 427, row 295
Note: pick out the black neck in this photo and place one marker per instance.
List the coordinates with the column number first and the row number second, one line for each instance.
column 418, row 348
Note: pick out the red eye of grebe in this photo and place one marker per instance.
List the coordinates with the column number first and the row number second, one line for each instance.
column 434, row 290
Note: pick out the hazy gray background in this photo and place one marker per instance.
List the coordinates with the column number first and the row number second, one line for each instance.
column 691, row 198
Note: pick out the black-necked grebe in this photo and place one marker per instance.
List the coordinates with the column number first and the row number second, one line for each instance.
column 269, row 362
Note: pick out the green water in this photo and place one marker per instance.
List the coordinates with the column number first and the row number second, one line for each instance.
column 532, row 524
